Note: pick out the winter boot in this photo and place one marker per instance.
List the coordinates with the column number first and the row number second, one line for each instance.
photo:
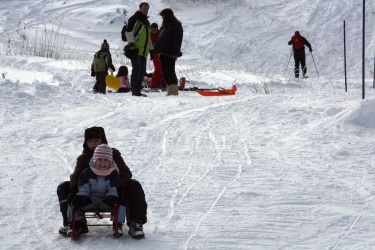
column 63, row 230
column 119, row 229
column 169, row 90
column 174, row 89
column 136, row 229
column 81, row 228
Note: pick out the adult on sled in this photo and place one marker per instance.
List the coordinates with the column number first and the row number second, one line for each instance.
column 168, row 48
column 138, row 35
column 130, row 191
column 299, row 43
column 99, row 67
column 97, row 189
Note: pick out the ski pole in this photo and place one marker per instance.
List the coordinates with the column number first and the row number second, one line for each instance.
column 291, row 52
column 314, row 63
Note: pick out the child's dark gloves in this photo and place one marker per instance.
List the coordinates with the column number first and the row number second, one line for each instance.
column 77, row 202
column 111, row 200
column 81, row 201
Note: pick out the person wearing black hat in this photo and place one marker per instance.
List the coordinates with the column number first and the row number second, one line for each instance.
column 299, row 43
column 99, row 67
column 131, row 192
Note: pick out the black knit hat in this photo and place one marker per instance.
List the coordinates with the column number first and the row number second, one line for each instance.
column 92, row 133
column 105, row 45
column 154, row 25
column 296, row 33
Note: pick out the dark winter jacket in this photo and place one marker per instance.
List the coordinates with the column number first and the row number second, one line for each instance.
column 170, row 39
column 83, row 162
column 304, row 41
column 138, row 32
column 98, row 187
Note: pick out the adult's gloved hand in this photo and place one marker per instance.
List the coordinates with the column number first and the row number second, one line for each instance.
column 92, row 73
column 311, row 50
column 77, row 202
column 111, row 200
column 71, row 195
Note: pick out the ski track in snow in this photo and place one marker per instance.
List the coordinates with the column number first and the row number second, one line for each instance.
column 261, row 159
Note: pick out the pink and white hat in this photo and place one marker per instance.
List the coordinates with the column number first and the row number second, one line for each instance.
column 102, row 151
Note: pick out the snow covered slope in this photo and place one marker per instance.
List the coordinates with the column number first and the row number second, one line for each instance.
column 292, row 169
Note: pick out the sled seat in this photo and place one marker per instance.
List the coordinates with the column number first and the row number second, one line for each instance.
column 96, row 214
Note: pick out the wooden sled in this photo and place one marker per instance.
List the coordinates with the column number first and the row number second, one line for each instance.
column 112, row 81
column 96, row 214
column 217, row 92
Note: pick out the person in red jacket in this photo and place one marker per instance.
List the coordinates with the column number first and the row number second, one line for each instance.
column 157, row 75
column 299, row 43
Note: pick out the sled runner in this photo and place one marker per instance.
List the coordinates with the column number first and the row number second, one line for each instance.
column 217, row 92
column 112, row 81
column 96, row 214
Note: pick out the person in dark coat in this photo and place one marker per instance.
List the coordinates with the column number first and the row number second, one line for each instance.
column 99, row 67
column 299, row 43
column 130, row 191
column 168, row 48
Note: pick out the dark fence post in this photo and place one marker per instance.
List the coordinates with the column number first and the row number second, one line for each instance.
column 363, row 52
column 346, row 85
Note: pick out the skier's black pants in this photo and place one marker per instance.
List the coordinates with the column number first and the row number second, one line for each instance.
column 133, row 197
column 168, row 65
column 299, row 58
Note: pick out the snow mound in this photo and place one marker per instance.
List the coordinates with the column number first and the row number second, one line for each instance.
column 364, row 115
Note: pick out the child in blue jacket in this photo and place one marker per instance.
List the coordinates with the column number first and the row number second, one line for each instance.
column 97, row 188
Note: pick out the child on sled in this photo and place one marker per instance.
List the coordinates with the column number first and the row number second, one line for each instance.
column 97, row 189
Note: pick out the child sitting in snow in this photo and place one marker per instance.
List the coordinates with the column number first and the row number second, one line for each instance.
column 122, row 74
column 97, row 188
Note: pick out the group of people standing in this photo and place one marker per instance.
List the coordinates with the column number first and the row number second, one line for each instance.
column 143, row 39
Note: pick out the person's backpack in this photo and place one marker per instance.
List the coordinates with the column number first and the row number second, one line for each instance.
column 99, row 62
column 297, row 42
column 123, row 37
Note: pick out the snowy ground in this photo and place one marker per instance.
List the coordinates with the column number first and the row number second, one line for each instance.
column 292, row 169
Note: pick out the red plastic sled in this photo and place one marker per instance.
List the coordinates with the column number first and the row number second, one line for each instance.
column 217, row 92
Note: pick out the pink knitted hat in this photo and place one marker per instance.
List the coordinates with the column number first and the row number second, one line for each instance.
column 102, row 151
